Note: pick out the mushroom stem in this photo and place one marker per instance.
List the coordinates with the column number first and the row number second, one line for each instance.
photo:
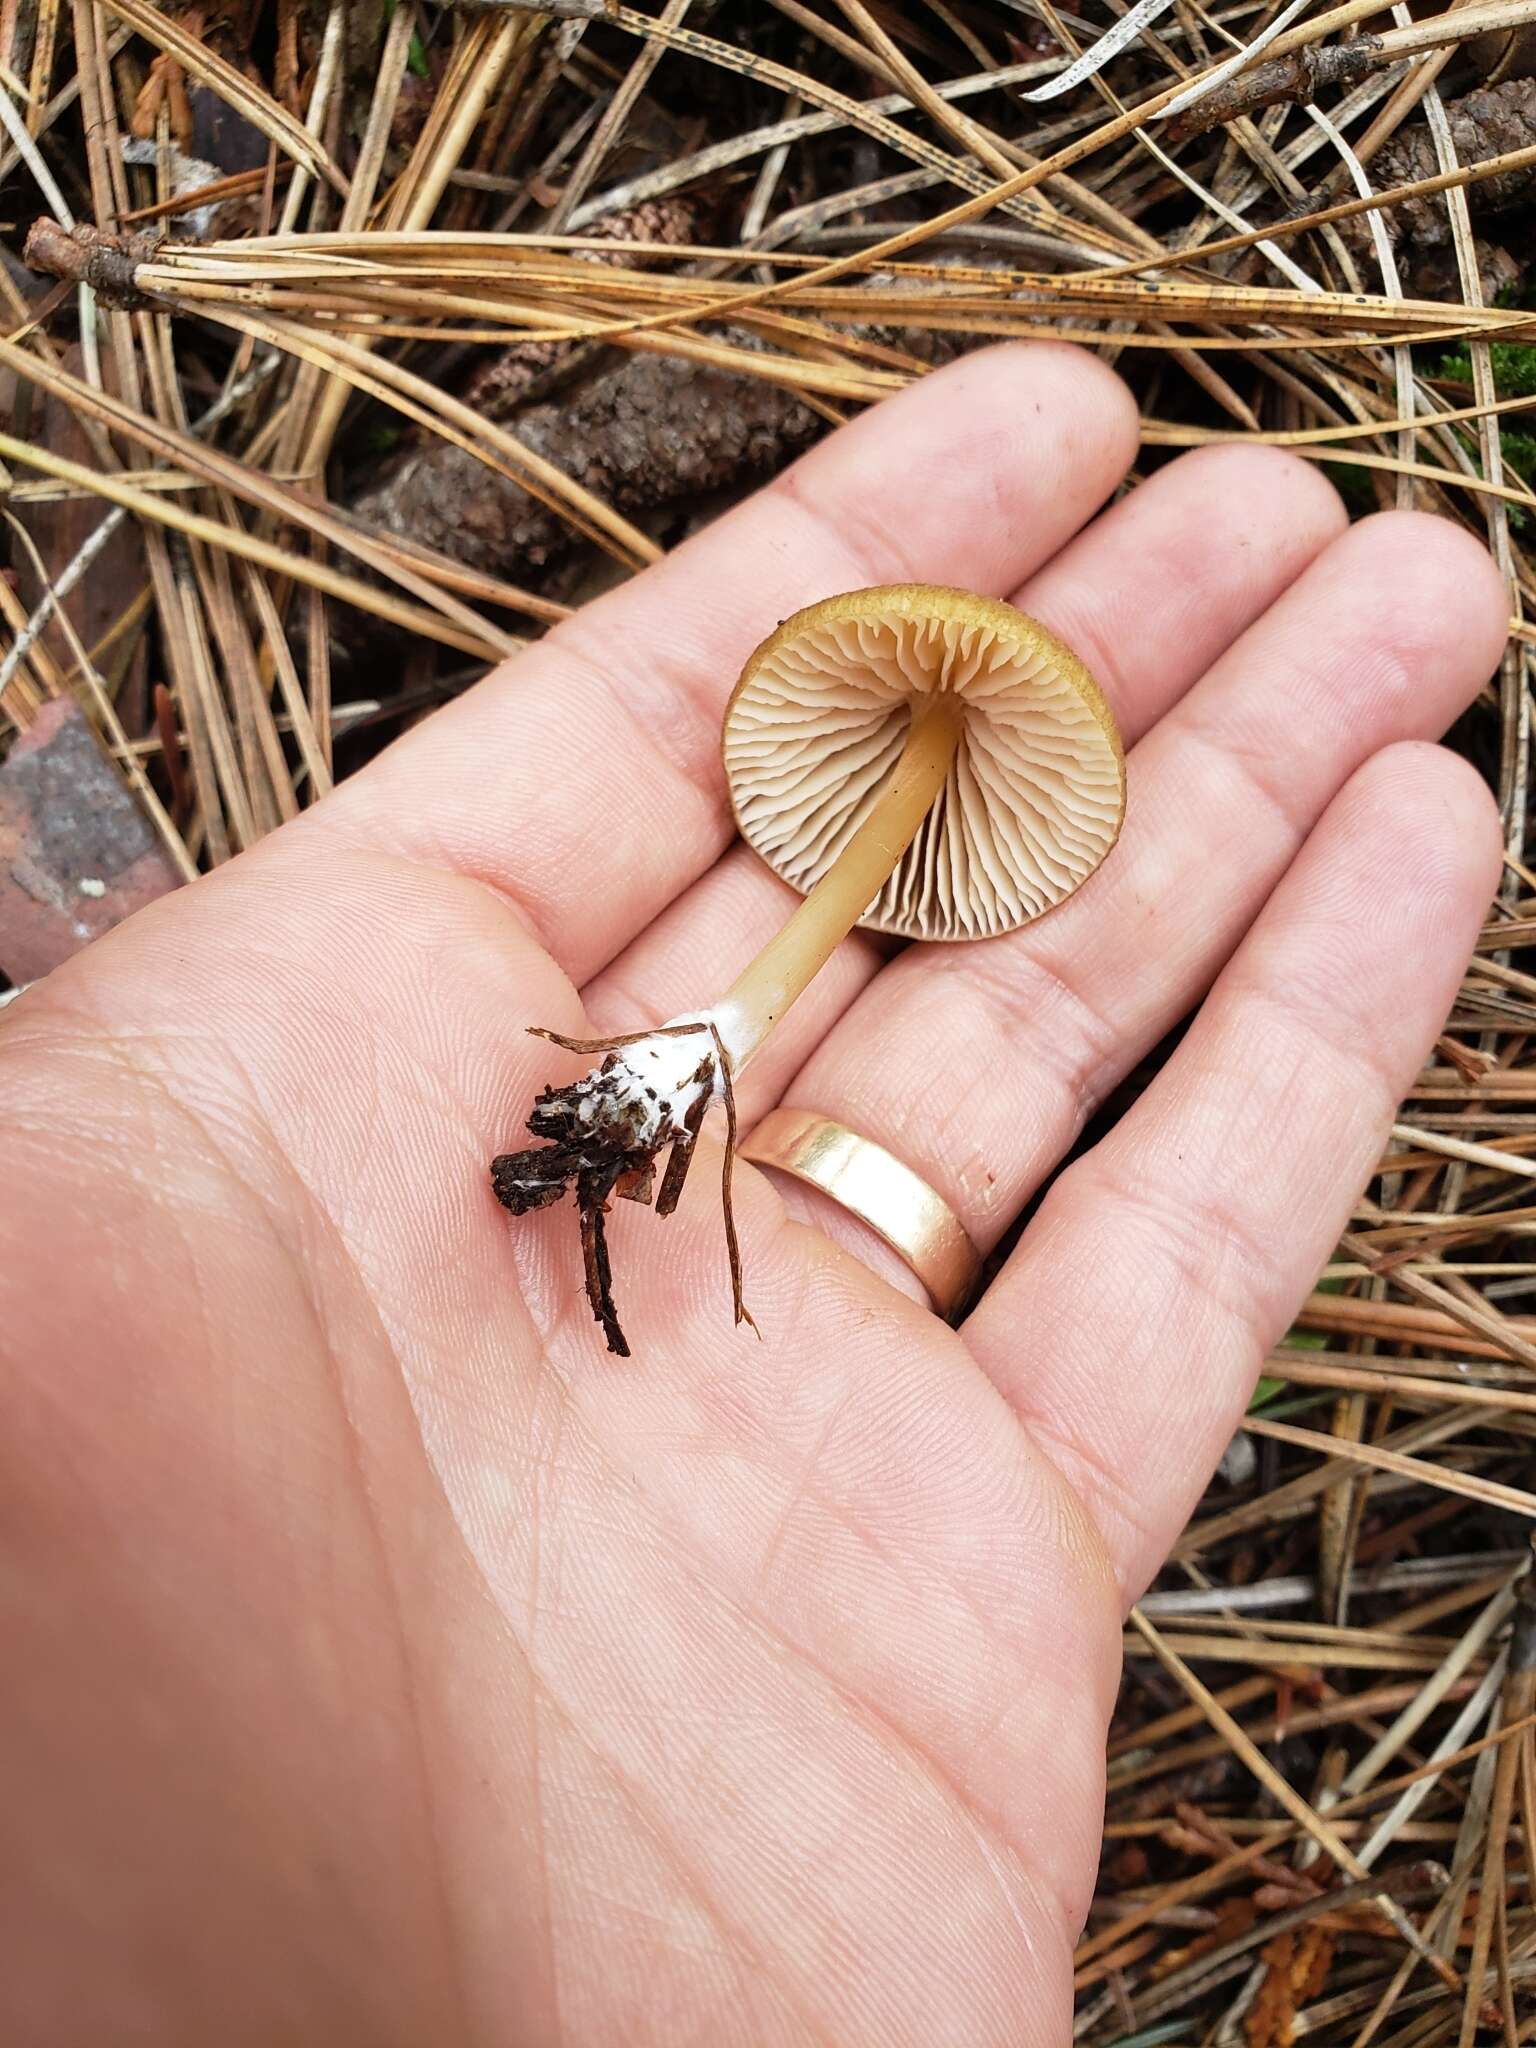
column 790, row 962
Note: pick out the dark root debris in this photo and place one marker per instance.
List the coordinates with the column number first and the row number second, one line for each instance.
column 593, row 1141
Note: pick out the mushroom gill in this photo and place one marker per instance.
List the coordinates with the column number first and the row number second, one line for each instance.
column 1033, row 798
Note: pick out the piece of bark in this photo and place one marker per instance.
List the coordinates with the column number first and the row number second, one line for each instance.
column 1296, row 1965
column 1434, row 273
column 77, row 855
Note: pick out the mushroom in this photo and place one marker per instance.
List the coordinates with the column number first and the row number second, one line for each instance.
column 917, row 760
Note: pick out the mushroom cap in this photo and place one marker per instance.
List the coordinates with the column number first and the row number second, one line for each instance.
column 1035, row 793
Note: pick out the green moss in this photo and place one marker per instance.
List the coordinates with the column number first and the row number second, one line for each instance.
column 416, row 52
column 1513, row 364
column 1514, row 374
column 380, row 438
column 1267, row 1388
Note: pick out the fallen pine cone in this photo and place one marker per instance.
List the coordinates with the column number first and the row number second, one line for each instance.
column 1487, row 123
column 519, row 375
column 645, row 434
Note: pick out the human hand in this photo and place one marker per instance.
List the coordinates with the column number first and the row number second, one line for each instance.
column 386, row 1663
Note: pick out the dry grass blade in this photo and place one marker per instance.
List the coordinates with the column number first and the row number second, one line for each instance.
column 418, row 573
column 492, row 444
column 1304, row 1371
column 161, row 511
column 1459, row 1148
column 1279, row 1789
column 1491, row 1493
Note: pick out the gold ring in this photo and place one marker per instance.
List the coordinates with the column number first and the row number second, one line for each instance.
column 861, row 1176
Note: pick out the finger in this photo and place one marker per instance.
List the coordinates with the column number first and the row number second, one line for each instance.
column 582, row 780
column 1149, row 595
column 979, row 1064
column 1129, row 1326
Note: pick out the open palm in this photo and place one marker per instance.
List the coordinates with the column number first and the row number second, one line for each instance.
column 385, row 1663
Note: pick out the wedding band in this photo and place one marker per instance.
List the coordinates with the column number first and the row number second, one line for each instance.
column 874, row 1185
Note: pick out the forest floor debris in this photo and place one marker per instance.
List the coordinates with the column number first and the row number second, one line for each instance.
column 366, row 339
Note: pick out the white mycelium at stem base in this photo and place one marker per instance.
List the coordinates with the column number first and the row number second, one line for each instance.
column 655, row 1082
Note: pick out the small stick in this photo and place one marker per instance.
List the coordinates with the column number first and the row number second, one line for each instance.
column 1298, row 77
column 732, row 1245
column 682, row 1151
column 591, row 1045
column 594, row 1256
column 676, row 1173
